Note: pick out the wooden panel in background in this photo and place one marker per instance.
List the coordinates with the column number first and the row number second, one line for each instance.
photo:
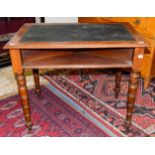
column 145, row 26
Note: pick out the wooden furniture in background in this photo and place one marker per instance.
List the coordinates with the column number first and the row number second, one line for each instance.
column 145, row 26
column 82, row 46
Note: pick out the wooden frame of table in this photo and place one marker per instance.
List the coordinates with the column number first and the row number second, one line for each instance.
column 80, row 54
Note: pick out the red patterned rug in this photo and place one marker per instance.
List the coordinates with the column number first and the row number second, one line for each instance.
column 93, row 90
column 51, row 117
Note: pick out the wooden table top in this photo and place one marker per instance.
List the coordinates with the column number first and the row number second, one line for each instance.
column 65, row 36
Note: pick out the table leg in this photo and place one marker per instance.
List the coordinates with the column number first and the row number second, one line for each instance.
column 16, row 59
column 117, row 83
column 131, row 97
column 23, row 93
column 36, row 81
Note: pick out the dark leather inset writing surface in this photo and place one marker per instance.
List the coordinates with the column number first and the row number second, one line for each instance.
column 77, row 32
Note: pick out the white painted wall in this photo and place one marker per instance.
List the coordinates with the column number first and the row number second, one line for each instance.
column 61, row 19
column 37, row 19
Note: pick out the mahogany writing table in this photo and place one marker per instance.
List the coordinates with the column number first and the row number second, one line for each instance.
column 56, row 46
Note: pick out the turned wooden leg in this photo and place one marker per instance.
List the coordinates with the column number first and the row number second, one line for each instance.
column 146, row 83
column 23, row 93
column 131, row 97
column 117, row 83
column 36, row 81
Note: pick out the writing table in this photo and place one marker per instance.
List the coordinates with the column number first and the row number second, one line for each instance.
column 58, row 46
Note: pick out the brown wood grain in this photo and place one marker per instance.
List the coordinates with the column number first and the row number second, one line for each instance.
column 107, row 58
column 23, row 93
column 16, row 60
column 36, row 81
column 15, row 43
column 138, row 59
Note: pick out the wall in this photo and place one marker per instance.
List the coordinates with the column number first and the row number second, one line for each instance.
column 61, row 19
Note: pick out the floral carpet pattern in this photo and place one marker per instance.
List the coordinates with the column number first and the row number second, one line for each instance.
column 94, row 91
column 50, row 116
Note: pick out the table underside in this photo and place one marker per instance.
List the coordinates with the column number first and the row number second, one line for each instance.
column 80, row 58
